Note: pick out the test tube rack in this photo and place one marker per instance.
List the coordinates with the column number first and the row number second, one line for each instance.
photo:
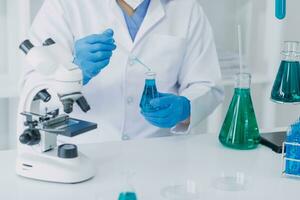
column 285, row 159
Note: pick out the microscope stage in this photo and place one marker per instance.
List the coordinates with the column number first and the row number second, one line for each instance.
column 73, row 127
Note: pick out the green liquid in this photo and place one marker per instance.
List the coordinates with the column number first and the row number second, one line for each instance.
column 286, row 87
column 240, row 129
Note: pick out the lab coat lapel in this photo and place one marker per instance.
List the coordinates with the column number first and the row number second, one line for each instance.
column 123, row 38
column 154, row 15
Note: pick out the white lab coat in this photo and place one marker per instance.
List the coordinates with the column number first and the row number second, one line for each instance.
column 175, row 39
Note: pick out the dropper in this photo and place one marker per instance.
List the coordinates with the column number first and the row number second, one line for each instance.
column 140, row 62
column 134, row 58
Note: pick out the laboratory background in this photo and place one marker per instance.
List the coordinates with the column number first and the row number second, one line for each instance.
column 262, row 36
column 250, row 38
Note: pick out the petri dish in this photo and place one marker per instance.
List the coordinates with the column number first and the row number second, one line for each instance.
column 231, row 182
column 188, row 190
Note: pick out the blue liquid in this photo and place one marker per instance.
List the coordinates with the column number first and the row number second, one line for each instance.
column 293, row 152
column 150, row 92
column 127, row 196
column 286, row 87
column 280, row 10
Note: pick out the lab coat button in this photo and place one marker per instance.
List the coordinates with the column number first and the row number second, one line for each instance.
column 129, row 100
column 131, row 62
column 125, row 137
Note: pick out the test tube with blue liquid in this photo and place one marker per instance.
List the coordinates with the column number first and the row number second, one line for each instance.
column 280, row 9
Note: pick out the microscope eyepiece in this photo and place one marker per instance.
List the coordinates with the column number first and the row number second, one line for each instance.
column 48, row 42
column 83, row 104
column 26, row 46
column 43, row 95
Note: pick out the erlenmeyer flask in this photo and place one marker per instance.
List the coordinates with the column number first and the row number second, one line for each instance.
column 150, row 92
column 128, row 191
column 240, row 129
column 286, row 88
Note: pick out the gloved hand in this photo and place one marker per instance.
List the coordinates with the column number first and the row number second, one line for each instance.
column 93, row 53
column 170, row 110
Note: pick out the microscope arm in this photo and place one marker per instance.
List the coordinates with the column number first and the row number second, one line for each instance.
column 55, row 63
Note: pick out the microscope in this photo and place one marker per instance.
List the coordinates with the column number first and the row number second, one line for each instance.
column 40, row 156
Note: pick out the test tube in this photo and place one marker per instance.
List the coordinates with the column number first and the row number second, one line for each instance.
column 280, row 9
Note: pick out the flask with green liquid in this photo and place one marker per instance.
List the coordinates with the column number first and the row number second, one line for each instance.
column 240, row 129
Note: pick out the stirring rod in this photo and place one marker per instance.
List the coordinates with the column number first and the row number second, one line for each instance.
column 240, row 48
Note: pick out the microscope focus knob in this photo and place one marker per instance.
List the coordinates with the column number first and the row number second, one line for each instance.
column 67, row 151
column 30, row 137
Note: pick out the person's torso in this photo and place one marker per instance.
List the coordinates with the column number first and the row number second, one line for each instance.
column 114, row 95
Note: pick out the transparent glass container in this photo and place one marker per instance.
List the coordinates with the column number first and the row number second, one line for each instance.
column 187, row 190
column 150, row 92
column 240, row 129
column 128, row 191
column 286, row 88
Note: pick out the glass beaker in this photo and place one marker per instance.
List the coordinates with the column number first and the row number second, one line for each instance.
column 240, row 129
column 150, row 92
column 286, row 88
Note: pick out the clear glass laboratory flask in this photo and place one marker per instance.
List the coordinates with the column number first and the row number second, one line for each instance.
column 150, row 92
column 128, row 191
column 240, row 129
column 286, row 88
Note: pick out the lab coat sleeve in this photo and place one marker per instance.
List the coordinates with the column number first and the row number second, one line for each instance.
column 51, row 22
column 200, row 75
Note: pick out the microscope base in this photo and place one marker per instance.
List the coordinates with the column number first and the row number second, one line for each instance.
column 49, row 167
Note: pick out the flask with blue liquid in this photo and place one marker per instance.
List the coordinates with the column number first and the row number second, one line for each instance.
column 150, row 92
column 128, row 191
column 286, row 88
column 280, row 9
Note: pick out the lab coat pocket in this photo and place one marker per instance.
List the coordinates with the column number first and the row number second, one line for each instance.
column 165, row 54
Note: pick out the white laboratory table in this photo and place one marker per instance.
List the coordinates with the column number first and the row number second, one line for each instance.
column 158, row 163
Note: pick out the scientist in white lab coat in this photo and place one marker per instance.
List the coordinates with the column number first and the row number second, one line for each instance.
column 174, row 37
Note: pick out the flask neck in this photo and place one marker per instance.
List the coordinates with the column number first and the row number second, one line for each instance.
column 150, row 82
column 243, row 81
column 291, row 51
column 150, row 78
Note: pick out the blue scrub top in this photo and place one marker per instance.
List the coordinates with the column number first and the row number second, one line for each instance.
column 135, row 21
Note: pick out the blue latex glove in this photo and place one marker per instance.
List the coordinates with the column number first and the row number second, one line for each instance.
column 170, row 110
column 93, row 53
